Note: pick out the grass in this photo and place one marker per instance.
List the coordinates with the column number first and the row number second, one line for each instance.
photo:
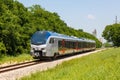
column 15, row 59
column 104, row 65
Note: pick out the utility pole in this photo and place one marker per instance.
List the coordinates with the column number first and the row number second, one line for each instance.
column 94, row 33
column 116, row 20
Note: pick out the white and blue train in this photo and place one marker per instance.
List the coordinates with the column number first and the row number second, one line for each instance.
column 51, row 44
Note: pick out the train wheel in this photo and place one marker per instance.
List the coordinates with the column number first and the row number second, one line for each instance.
column 55, row 56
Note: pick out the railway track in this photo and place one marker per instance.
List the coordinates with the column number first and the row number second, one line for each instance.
column 23, row 69
column 18, row 66
column 26, row 64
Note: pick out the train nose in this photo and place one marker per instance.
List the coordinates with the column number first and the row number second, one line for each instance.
column 38, row 52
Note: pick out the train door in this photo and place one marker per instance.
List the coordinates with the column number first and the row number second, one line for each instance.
column 52, row 46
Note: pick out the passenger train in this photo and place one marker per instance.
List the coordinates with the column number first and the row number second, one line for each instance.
column 52, row 44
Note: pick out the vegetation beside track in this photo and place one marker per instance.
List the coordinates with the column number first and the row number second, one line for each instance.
column 15, row 59
column 104, row 65
column 18, row 23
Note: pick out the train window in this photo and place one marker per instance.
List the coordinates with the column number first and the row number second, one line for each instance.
column 66, row 44
column 59, row 43
column 51, row 40
column 81, row 45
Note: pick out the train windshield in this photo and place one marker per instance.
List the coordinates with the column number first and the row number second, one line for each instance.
column 39, row 38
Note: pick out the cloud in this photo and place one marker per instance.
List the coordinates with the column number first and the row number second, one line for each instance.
column 90, row 16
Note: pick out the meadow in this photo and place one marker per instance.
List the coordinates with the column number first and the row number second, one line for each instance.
column 104, row 65
column 5, row 59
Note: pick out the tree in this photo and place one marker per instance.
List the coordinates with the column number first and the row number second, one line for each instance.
column 112, row 34
column 81, row 30
column 18, row 23
column 2, row 49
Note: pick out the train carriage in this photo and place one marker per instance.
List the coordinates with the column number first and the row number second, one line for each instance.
column 51, row 44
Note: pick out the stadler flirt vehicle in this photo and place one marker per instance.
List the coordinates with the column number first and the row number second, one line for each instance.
column 52, row 44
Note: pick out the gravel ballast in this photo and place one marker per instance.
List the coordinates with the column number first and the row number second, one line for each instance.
column 18, row 73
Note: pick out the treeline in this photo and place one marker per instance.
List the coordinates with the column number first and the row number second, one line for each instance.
column 18, row 23
column 112, row 34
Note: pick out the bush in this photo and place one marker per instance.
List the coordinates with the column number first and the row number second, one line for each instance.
column 2, row 49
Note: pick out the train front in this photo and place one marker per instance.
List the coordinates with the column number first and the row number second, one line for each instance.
column 38, row 44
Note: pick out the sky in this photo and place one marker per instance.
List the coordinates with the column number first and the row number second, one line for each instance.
column 82, row 14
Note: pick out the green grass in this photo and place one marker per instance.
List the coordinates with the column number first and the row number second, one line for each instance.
column 15, row 59
column 104, row 65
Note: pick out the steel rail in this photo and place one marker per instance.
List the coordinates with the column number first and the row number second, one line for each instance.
column 19, row 65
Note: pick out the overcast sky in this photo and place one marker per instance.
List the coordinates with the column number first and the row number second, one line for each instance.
column 82, row 14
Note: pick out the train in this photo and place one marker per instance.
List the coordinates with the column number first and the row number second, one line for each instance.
column 48, row 44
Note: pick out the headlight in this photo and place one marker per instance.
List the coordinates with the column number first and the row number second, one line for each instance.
column 32, row 48
column 42, row 48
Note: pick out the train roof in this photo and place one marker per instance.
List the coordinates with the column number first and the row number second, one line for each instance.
column 50, row 33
